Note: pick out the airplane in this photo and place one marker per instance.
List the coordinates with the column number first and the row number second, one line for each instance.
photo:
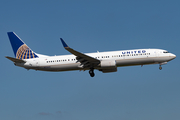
column 103, row 61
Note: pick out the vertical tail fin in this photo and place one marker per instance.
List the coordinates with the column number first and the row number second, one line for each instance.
column 21, row 50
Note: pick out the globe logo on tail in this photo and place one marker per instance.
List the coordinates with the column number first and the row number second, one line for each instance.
column 24, row 52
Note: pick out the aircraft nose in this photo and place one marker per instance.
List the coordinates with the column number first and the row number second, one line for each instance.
column 173, row 56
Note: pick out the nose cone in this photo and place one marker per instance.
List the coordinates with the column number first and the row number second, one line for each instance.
column 173, row 56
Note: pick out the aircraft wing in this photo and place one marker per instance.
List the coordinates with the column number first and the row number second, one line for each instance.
column 15, row 60
column 85, row 60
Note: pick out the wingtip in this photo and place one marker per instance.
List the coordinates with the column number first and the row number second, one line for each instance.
column 64, row 44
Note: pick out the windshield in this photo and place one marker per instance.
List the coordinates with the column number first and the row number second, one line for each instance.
column 165, row 52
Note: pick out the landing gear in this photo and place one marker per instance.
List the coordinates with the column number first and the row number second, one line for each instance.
column 91, row 72
column 160, row 67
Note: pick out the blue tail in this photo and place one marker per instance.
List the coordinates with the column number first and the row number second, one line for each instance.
column 21, row 50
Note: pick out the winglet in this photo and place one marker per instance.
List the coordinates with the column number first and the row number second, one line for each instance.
column 64, row 44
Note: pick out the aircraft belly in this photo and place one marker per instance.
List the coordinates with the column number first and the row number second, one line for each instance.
column 137, row 61
column 162, row 59
column 60, row 67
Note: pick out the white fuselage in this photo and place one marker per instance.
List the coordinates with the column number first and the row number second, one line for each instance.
column 120, row 58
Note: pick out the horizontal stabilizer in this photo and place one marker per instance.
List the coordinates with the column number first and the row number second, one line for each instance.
column 15, row 60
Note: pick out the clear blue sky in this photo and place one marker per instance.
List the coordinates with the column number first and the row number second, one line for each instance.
column 132, row 93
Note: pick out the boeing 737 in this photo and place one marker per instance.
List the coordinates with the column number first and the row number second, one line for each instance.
column 102, row 61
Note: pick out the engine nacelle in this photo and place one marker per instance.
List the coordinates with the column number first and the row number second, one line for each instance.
column 108, row 63
column 108, row 66
column 109, row 70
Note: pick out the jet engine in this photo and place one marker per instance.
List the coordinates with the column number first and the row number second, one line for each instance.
column 108, row 66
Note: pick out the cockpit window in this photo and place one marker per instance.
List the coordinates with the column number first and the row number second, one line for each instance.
column 165, row 52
